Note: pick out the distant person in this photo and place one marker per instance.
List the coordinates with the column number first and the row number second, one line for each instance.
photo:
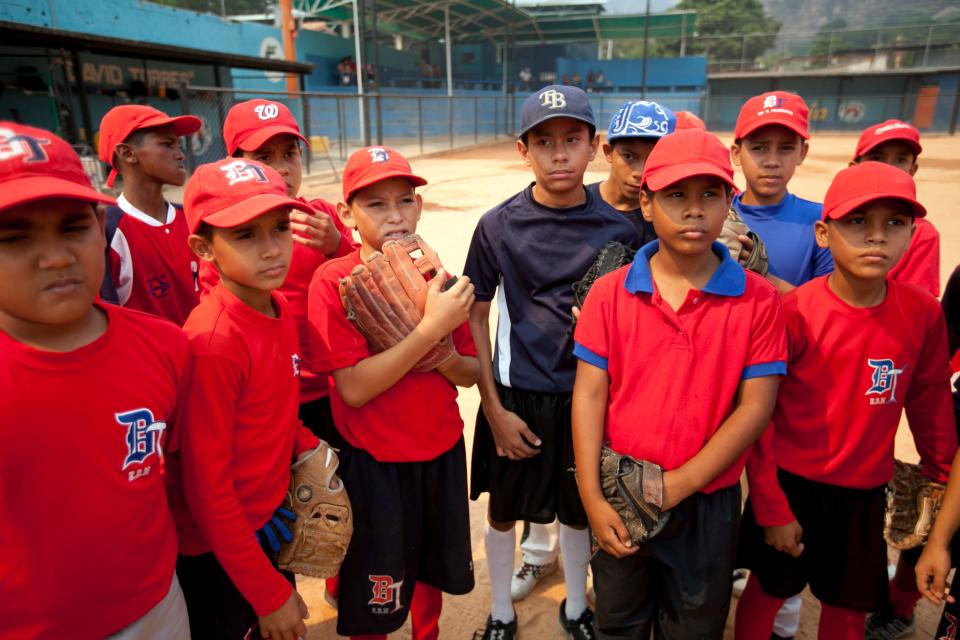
column 576, row 79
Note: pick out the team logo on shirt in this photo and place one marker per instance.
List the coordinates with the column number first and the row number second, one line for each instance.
column 883, row 381
column 295, row 359
column 13, row 145
column 143, row 440
column 378, row 154
column 386, row 594
column 243, row 171
column 159, row 286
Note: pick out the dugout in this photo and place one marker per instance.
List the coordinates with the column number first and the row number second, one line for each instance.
column 66, row 81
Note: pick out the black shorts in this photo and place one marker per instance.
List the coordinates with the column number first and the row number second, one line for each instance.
column 217, row 610
column 317, row 416
column 536, row 489
column 844, row 559
column 411, row 523
column 677, row 584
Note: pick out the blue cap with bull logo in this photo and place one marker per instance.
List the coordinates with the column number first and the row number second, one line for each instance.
column 641, row 119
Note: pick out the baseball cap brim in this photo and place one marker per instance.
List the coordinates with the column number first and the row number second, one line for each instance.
column 32, row 188
column 366, row 181
column 844, row 208
column 182, row 125
column 675, row 173
column 249, row 209
column 767, row 121
column 257, row 137
column 557, row 115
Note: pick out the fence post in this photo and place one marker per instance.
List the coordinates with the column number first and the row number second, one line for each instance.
column 379, row 119
column 956, row 112
column 476, row 119
column 420, row 122
column 341, row 126
column 743, row 53
column 450, row 118
column 305, row 109
column 185, row 108
column 926, row 49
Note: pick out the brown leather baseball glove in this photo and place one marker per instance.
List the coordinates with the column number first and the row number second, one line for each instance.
column 386, row 296
column 324, row 520
column 734, row 226
column 913, row 501
column 634, row 488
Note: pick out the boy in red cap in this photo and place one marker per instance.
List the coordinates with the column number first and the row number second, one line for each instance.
column 403, row 456
column 770, row 143
column 89, row 398
column 149, row 265
column 266, row 131
column 898, row 144
column 862, row 348
column 686, row 305
column 240, row 427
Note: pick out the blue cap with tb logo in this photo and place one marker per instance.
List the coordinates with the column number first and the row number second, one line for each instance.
column 555, row 101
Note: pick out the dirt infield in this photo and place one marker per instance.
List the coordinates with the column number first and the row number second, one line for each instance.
column 463, row 186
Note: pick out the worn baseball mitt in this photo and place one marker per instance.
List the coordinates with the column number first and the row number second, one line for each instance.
column 613, row 256
column 324, row 520
column 913, row 501
column 386, row 296
column 634, row 488
column 734, row 226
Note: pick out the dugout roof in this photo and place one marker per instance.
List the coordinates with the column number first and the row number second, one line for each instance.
column 498, row 20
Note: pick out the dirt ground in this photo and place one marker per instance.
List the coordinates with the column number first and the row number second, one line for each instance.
column 462, row 186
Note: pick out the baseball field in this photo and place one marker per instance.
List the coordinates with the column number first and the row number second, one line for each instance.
column 462, row 186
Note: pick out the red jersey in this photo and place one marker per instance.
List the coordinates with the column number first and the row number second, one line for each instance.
column 730, row 331
column 150, row 266
column 83, row 438
column 414, row 420
column 304, row 262
column 852, row 372
column 239, row 435
column 920, row 265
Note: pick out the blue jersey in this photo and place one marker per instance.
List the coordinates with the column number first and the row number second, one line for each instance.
column 529, row 256
column 644, row 228
column 787, row 230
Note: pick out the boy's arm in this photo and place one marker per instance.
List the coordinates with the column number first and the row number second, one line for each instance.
column 589, row 411
column 510, row 434
column 444, row 312
column 463, row 369
column 207, row 424
column 935, row 563
column 756, row 398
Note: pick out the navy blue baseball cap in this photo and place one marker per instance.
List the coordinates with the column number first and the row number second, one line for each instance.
column 555, row 101
column 641, row 119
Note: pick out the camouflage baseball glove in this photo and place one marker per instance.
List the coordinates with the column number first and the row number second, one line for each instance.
column 913, row 501
column 734, row 226
column 634, row 488
column 324, row 520
column 613, row 256
column 386, row 296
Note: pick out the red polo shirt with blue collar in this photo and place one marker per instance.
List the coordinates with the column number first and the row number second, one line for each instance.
column 674, row 374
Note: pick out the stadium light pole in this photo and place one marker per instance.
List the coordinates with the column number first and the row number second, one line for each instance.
column 646, row 39
column 357, row 50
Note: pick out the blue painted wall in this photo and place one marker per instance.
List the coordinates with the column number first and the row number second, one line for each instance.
column 663, row 74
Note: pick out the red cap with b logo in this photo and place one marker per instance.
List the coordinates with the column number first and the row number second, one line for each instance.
column 373, row 164
column 232, row 191
column 686, row 153
column 249, row 124
column 35, row 164
column 775, row 107
column 866, row 182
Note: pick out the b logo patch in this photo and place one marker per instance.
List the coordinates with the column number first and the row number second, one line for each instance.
column 770, row 102
column 378, row 154
column 143, row 439
column 13, row 146
column 553, row 99
column 386, row 592
column 243, row 171
column 267, row 111
column 883, row 381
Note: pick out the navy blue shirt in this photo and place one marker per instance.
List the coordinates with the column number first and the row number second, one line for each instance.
column 529, row 256
column 787, row 230
column 644, row 228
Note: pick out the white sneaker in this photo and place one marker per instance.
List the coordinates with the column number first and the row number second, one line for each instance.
column 525, row 579
column 740, row 581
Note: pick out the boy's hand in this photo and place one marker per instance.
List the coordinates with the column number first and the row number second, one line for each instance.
column 785, row 538
column 932, row 569
column 746, row 248
column 444, row 311
column 575, row 310
column 608, row 528
column 286, row 623
column 315, row 231
column 512, row 436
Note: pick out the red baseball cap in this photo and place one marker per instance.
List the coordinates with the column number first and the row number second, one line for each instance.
column 774, row 107
column 687, row 120
column 35, row 164
column 249, row 124
column 232, row 191
column 868, row 181
column 876, row 135
column 121, row 121
column 685, row 153
column 373, row 164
